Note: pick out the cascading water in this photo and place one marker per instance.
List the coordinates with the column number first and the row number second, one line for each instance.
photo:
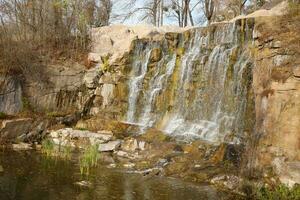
column 140, row 66
column 200, row 94
column 156, row 85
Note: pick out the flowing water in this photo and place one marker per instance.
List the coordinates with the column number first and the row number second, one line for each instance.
column 30, row 176
column 200, row 93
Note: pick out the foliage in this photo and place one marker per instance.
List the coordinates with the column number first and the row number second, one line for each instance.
column 89, row 159
column 280, row 192
column 2, row 115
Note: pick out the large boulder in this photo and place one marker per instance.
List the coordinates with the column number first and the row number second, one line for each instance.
column 10, row 130
column 110, row 146
column 78, row 138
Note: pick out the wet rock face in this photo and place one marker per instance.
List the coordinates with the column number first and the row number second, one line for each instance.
column 60, row 91
column 10, row 95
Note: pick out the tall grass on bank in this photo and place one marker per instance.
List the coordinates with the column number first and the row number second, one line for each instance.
column 89, row 159
column 51, row 150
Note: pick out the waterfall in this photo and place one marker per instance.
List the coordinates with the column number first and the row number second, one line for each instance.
column 199, row 94
column 156, row 85
column 135, row 86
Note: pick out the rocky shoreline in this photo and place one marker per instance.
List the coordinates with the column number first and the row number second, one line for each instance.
column 150, row 154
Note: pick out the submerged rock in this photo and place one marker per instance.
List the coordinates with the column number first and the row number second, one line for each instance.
column 84, row 184
column 1, row 169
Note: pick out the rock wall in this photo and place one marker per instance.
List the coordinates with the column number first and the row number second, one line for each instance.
column 58, row 91
column 54, row 88
column 10, row 94
column 276, row 83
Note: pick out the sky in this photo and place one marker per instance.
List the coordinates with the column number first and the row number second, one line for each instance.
column 120, row 8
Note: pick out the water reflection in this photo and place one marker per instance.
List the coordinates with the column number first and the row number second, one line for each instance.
column 30, row 176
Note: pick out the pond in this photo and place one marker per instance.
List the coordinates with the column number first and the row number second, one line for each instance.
column 29, row 175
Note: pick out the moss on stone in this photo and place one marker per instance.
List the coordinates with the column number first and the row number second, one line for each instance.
column 156, row 55
column 105, row 66
column 154, row 135
column 180, row 51
column 2, row 115
column 176, row 168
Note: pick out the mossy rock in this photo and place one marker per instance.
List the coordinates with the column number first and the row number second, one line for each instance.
column 187, row 35
column 199, row 177
column 154, row 135
column 105, row 66
column 180, row 51
column 176, row 168
column 119, row 129
column 156, row 55
column 143, row 165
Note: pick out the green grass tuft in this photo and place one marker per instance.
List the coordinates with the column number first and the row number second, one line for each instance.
column 89, row 159
column 51, row 150
column 280, row 192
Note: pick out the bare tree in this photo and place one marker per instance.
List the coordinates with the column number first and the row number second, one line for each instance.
column 151, row 10
column 29, row 28
column 209, row 7
column 104, row 12
column 181, row 10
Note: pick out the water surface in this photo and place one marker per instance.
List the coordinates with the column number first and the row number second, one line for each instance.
column 31, row 176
